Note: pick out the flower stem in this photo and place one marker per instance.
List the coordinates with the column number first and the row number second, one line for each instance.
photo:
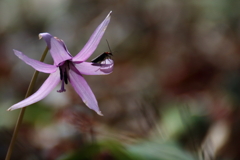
column 21, row 114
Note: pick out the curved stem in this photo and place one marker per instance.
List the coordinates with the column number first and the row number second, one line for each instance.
column 21, row 114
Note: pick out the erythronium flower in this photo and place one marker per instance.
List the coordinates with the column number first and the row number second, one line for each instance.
column 67, row 68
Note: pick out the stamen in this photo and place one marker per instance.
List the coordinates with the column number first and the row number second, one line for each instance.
column 61, row 74
column 64, row 75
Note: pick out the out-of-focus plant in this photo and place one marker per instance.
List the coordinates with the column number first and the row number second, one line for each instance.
column 146, row 150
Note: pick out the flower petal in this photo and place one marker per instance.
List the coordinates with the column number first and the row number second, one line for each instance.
column 93, row 42
column 50, row 83
column 84, row 91
column 88, row 68
column 37, row 65
column 57, row 48
column 107, row 66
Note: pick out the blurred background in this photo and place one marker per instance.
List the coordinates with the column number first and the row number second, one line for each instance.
column 173, row 95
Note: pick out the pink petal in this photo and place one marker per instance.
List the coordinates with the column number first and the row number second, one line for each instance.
column 107, row 66
column 93, row 42
column 88, row 68
column 57, row 48
column 37, row 65
column 84, row 91
column 50, row 83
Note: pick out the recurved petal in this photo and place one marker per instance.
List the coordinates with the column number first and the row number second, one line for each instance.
column 84, row 91
column 37, row 65
column 107, row 66
column 56, row 47
column 50, row 83
column 88, row 68
column 93, row 42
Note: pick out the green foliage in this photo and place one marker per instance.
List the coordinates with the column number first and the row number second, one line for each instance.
column 157, row 150
column 105, row 150
column 38, row 114
column 149, row 150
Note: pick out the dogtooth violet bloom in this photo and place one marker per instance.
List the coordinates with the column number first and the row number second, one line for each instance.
column 67, row 68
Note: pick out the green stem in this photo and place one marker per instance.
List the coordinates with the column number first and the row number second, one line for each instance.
column 21, row 114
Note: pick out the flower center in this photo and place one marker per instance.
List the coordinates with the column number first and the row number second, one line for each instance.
column 64, row 76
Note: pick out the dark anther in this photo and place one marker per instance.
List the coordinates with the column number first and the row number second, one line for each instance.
column 65, row 77
column 61, row 74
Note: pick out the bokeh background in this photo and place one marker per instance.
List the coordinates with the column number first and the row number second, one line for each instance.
column 173, row 95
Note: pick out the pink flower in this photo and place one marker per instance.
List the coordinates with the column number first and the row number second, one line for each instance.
column 68, row 69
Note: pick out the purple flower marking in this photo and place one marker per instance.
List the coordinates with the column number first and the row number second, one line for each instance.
column 68, row 69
